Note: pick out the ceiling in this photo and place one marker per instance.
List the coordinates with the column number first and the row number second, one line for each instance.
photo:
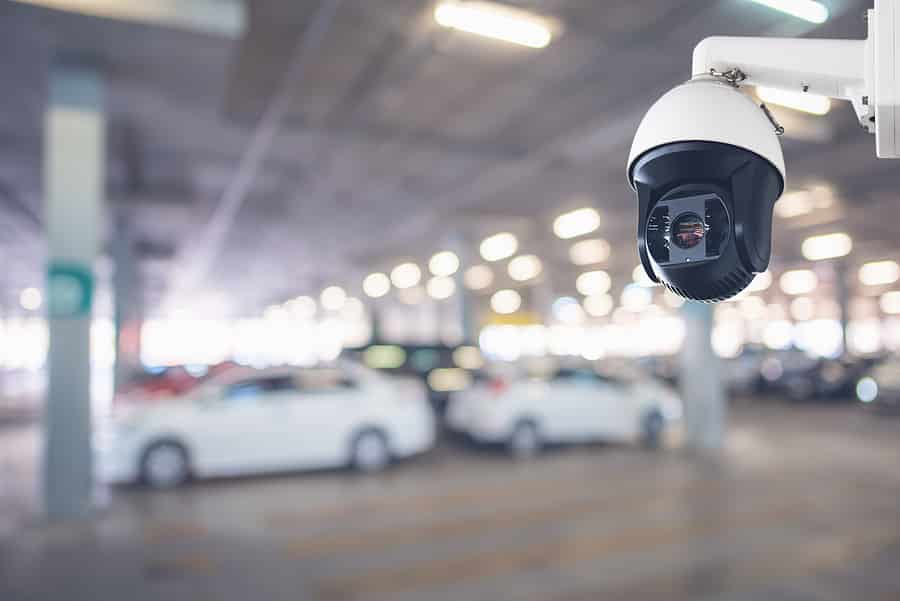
column 400, row 139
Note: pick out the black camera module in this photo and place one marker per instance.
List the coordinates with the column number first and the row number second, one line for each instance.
column 704, row 216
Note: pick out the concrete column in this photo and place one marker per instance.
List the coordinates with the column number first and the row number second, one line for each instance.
column 842, row 290
column 127, row 302
column 74, row 156
column 701, row 384
column 462, row 303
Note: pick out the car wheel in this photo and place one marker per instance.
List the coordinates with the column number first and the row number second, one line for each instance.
column 370, row 452
column 652, row 427
column 525, row 440
column 800, row 389
column 165, row 465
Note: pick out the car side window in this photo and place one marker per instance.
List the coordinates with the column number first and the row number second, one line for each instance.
column 575, row 376
column 316, row 381
column 255, row 388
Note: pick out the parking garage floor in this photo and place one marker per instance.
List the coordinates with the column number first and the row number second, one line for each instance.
column 804, row 504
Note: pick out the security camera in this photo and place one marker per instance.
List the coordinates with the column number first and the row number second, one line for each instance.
column 706, row 164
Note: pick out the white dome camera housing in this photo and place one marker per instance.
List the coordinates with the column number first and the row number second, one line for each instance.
column 706, row 163
column 707, row 168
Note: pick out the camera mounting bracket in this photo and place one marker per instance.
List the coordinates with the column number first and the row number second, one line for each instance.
column 864, row 72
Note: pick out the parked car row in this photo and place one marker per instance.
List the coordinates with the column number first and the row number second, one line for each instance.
column 246, row 421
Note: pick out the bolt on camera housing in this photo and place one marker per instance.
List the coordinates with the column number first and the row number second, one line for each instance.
column 706, row 164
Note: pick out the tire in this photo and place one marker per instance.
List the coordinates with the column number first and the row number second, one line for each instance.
column 800, row 390
column 165, row 465
column 370, row 452
column 525, row 441
column 652, row 426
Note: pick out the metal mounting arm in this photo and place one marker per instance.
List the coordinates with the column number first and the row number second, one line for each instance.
column 864, row 72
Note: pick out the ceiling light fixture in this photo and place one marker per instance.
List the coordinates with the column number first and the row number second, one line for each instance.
column 799, row 101
column 808, row 10
column 441, row 287
column 588, row 252
column 798, row 281
column 496, row 21
column 592, row 283
column 376, row 285
column 478, row 277
column 506, row 301
column 524, row 268
column 406, row 275
column 827, row 246
column 499, row 246
column 878, row 273
column 576, row 223
column 443, row 263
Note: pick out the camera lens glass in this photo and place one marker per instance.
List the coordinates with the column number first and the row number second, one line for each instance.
column 688, row 230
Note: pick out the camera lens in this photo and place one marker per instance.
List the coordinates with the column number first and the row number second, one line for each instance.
column 688, row 230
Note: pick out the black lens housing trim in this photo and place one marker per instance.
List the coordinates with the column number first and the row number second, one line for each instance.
column 748, row 186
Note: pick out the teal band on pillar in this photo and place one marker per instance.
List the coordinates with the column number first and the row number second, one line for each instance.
column 70, row 290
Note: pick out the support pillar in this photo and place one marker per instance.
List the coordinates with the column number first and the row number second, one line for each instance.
column 842, row 289
column 74, row 156
column 701, row 384
column 128, row 305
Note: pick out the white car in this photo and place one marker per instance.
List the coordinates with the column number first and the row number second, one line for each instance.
column 254, row 421
column 570, row 405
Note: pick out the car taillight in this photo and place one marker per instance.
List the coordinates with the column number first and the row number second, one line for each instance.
column 498, row 386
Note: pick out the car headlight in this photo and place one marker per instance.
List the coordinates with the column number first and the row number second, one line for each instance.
column 867, row 389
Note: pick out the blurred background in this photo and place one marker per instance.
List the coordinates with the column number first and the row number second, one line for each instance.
column 341, row 300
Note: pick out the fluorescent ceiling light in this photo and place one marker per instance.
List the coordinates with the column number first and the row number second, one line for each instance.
column 524, row 268
column 217, row 17
column 499, row 246
column 799, row 101
column 376, row 285
column 406, row 275
column 877, row 273
column 333, row 298
column 440, row 287
column 497, row 21
column 506, row 301
column 444, row 263
column 592, row 283
column 798, row 281
column 808, row 10
column 576, row 223
column 598, row 305
column 478, row 277
column 890, row 302
column 827, row 246
column 587, row 252
column 803, row 202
